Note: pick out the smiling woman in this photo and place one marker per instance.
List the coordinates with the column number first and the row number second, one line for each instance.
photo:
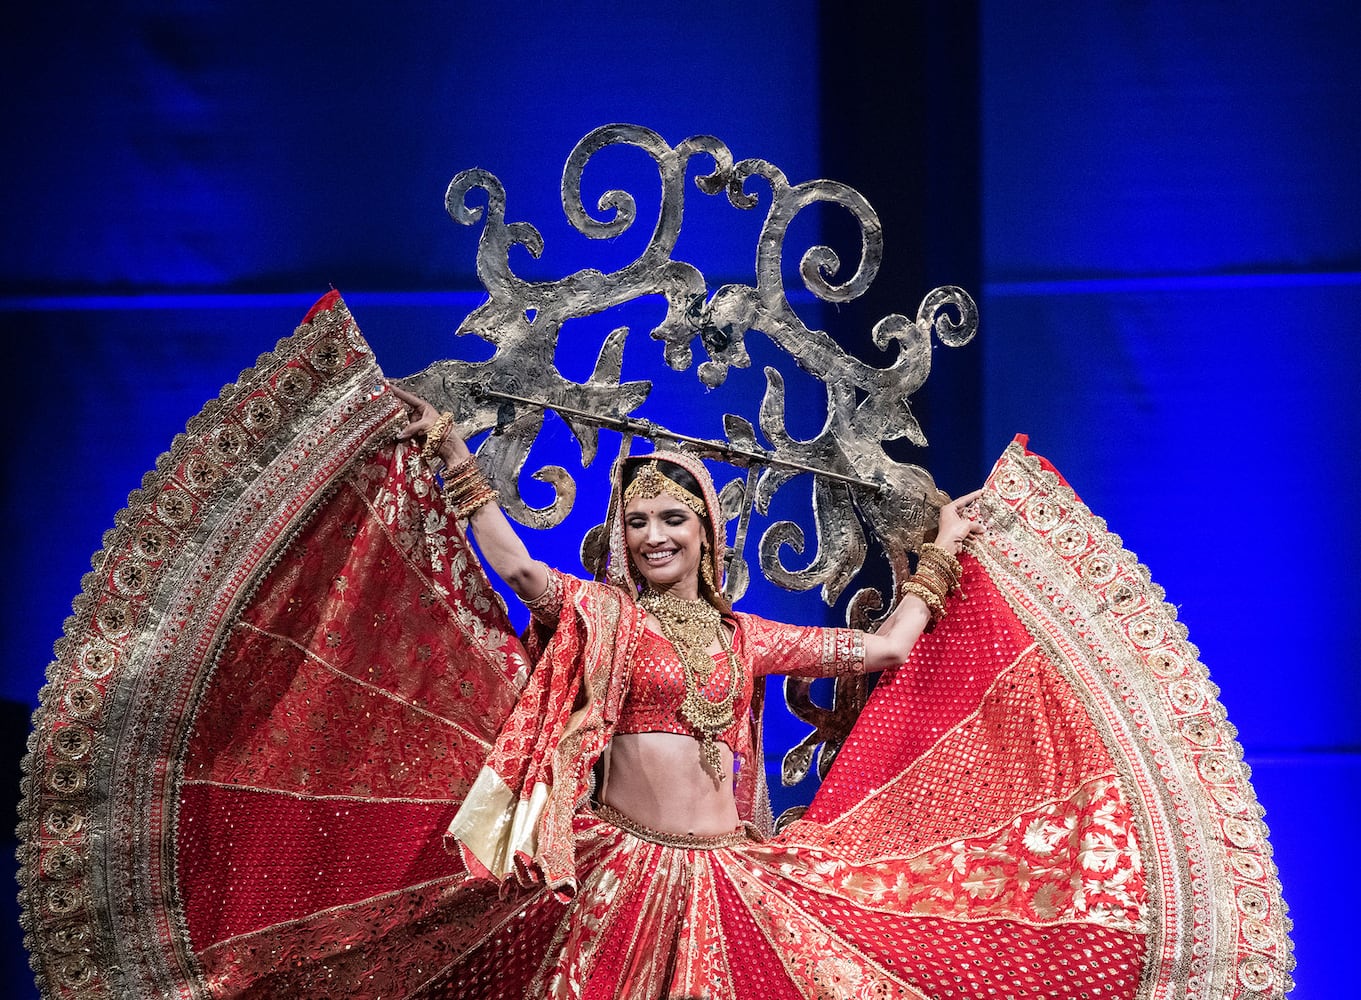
column 666, row 539
column 667, row 559
column 343, row 774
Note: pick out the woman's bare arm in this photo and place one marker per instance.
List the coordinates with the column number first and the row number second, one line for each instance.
column 893, row 641
column 891, row 644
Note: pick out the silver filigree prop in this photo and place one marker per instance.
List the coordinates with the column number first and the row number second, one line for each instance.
column 859, row 493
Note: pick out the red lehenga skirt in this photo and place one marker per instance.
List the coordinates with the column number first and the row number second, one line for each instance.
column 286, row 671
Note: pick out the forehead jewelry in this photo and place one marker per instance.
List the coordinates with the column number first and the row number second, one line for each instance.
column 651, row 482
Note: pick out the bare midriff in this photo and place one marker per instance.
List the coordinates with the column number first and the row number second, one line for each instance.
column 658, row 780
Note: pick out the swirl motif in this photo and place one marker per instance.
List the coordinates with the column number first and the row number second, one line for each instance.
column 859, row 494
column 866, row 406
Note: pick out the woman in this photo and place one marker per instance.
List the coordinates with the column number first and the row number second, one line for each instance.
column 672, row 568
column 673, row 728
column 288, row 688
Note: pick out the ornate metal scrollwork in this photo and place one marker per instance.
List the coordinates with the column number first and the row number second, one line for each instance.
column 859, row 493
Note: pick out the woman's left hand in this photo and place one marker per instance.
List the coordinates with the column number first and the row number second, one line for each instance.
column 955, row 526
column 420, row 415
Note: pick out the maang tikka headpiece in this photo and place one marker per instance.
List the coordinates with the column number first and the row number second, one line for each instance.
column 651, row 482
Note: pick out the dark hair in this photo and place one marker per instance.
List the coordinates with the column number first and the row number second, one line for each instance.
column 677, row 474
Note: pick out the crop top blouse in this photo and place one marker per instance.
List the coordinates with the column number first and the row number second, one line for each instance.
column 656, row 681
column 656, row 689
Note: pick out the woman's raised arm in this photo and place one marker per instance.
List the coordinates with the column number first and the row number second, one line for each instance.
column 502, row 550
column 893, row 641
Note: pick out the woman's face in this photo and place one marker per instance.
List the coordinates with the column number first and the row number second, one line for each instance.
column 663, row 537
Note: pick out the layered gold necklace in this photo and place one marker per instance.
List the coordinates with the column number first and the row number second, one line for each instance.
column 692, row 627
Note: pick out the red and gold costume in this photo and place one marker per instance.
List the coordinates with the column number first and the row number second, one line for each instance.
column 288, row 690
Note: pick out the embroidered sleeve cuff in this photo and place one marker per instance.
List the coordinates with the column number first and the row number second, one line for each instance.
column 547, row 607
column 844, row 651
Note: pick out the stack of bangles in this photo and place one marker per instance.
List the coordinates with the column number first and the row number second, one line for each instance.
column 465, row 486
column 937, row 575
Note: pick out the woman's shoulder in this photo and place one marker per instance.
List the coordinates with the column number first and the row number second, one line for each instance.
column 584, row 597
column 755, row 628
column 743, row 620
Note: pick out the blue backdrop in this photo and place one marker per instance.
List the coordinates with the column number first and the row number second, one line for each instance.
column 1173, row 261
column 1158, row 202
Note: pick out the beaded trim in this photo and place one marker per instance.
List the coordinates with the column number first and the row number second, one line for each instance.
column 684, row 841
column 844, row 648
column 547, row 607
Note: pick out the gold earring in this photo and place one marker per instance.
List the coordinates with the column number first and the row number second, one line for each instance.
column 706, row 567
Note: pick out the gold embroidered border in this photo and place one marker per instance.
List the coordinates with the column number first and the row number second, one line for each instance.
column 1206, row 850
column 936, row 845
column 141, row 642
column 310, row 797
column 844, row 648
column 330, row 911
column 683, row 841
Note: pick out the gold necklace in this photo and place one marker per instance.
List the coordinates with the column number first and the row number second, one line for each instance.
column 691, row 627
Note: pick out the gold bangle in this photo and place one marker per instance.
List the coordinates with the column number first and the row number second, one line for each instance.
column 435, row 436
column 938, row 574
column 464, row 471
column 936, row 563
column 468, row 507
column 940, row 560
column 931, row 583
column 467, row 488
column 927, row 596
column 945, row 554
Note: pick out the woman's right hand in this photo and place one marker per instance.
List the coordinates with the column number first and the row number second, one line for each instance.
column 502, row 550
column 955, row 525
column 421, row 416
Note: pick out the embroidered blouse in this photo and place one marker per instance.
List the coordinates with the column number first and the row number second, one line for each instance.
column 656, row 679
